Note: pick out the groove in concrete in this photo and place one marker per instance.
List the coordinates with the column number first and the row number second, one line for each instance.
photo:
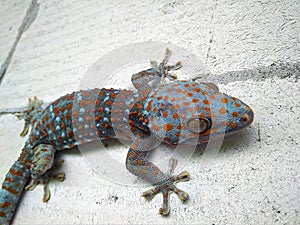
column 276, row 69
column 30, row 16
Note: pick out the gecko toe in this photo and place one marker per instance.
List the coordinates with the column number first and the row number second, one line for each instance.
column 150, row 194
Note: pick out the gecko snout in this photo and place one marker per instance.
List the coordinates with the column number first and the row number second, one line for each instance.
column 247, row 118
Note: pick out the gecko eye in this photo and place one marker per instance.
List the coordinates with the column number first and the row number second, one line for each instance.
column 198, row 125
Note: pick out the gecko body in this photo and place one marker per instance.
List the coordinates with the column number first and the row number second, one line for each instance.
column 179, row 112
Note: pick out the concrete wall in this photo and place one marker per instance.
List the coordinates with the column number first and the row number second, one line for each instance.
column 252, row 49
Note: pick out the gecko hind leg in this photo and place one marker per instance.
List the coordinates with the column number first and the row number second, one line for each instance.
column 46, row 178
column 42, row 169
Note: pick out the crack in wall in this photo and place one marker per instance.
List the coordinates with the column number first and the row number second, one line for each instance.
column 30, row 16
column 211, row 39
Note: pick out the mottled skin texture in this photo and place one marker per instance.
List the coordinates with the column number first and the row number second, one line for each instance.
column 179, row 112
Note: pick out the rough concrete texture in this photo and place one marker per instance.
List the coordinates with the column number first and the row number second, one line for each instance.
column 252, row 49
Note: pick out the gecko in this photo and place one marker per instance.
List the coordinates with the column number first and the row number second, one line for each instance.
column 178, row 112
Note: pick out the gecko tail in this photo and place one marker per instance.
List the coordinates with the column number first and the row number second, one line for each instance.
column 11, row 190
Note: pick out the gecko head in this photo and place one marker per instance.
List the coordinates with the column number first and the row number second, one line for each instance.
column 186, row 112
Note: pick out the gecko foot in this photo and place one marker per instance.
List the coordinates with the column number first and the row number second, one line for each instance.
column 168, row 186
column 164, row 68
column 182, row 195
column 45, row 179
column 34, row 107
column 166, row 190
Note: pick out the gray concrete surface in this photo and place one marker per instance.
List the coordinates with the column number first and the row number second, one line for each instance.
column 252, row 49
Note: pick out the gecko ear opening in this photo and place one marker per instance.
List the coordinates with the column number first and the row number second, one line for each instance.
column 198, row 125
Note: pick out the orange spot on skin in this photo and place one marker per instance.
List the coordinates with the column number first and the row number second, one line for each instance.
column 74, row 114
column 149, row 105
column 130, row 122
column 222, row 111
column 10, row 190
column 237, row 105
column 159, row 97
column 155, row 172
column 168, row 127
column 14, row 172
column 88, row 119
column 234, row 114
column 139, row 106
column 69, row 106
column 2, row 214
column 179, row 127
column 167, row 139
column 186, row 103
column 175, row 115
column 177, row 106
column 69, row 134
column 195, row 100
column 208, row 87
column 189, row 94
column 186, row 85
column 8, row 179
column 139, row 162
column 107, row 126
column 207, row 110
column 80, row 127
column 165, row 114
column 113, row 95
column 224, row 100
column 178, row 90
column 197, row 90
column 206, row 102
column 232, row 125
column 202, row 114
column 68, row 116
column 166, row 97
column 155, row 128
column 224, row 123
column 108, row 102
column 85, row 93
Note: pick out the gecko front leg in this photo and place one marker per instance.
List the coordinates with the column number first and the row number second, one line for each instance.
column 139, row 165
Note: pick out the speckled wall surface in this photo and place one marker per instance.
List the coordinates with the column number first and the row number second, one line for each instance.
column 252, row 49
